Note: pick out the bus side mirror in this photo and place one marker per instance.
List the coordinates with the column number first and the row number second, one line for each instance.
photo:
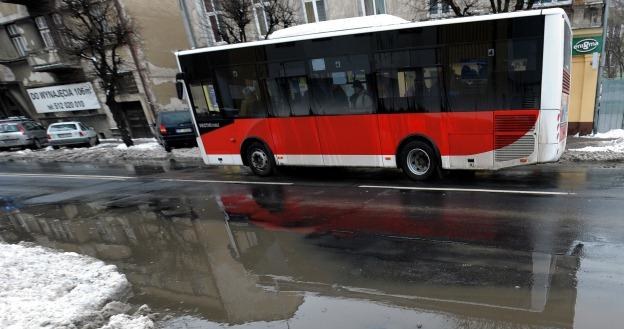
column 180, row 85
column 180, row 89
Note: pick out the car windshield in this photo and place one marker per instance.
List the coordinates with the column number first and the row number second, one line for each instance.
column 9, row 128
column 175, row 118
column 63, row 127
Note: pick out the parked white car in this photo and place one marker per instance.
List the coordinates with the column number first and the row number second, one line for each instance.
column 71, row 134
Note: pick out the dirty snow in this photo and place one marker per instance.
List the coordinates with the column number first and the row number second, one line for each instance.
column 43, row 288
column 143, row 150
column 611, row 134
column 612, row 150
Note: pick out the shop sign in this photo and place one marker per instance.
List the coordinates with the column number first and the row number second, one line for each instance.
column 586, row 45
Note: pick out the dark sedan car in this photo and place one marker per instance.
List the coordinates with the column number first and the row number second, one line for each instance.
column 175, row 129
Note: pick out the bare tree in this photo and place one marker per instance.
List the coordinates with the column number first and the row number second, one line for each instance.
column 234, row 17
column 614, row 44
column 462, row 8
column 95, row 31
column 279, row 13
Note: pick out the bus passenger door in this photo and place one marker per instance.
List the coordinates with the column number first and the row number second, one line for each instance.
column 293, row 128
column 343, row 102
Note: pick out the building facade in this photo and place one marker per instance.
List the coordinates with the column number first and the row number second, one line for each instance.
column 202, row 25
column 33, row 66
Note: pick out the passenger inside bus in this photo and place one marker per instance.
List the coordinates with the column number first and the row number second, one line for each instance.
column 360, row 98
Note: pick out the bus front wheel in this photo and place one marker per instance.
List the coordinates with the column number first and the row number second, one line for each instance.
column 260, row 159
column 418, row 161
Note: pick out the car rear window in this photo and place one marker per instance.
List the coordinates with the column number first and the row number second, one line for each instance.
column 9, row 128
column 63, row 126
column 175, row 118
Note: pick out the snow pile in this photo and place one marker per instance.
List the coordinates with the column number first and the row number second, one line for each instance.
column 152, row 146
column 612, row 150
column 611, row 134
column 107, row 152
column 41, row 288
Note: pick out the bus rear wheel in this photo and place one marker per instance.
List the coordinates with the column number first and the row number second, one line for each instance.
column 418, row 161
column 260, row 159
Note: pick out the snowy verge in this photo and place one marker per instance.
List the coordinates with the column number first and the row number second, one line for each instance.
column 611, row 134
column 612, row 150
column 43, row 288
column 105, row 152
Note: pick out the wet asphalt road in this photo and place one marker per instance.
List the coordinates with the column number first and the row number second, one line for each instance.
column 538, row 246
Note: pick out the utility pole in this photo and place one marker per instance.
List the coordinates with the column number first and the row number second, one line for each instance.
column 601, row 61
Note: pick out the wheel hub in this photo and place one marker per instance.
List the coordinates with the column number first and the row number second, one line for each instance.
column 418, row 161
column 259, row 159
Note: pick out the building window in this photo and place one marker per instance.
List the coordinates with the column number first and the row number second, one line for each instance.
column 213, row 19
column 260, row 17
column 314, row 10
column 44, row 30
column 438, row 7
column 18, row 40
column 373, row 7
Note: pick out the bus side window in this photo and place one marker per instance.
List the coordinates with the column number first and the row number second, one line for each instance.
column 200, row 104
column 204, row 99
column 339, row 85
column 240, row 93
column 296, row 83
column 409, row 81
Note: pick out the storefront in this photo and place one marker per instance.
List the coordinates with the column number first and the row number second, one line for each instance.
column 586, row 48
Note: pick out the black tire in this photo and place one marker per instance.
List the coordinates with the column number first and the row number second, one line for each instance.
column 56, row 147
column 97, row 140
column 167, row 147
column 418, row 161
column 36, row 144
column 260, row 159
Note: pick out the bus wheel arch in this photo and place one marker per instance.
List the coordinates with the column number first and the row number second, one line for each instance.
column 418, row 157
column 255, row 148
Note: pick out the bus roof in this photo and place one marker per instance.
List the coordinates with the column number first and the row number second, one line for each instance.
column 369, row 29
column 332, row 25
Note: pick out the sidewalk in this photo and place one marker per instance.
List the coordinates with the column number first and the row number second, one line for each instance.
column 110, row 150
column 588, row 149
column 600, row 147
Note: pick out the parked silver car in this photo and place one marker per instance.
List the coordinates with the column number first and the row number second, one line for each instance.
column 21, row 133
column 71, row 134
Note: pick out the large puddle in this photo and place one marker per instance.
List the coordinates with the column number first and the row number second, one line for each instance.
column 287, row 257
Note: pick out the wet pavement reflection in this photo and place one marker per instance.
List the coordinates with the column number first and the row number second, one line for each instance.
column 290, row 257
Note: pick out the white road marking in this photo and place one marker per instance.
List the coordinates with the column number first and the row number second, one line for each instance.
column 116, row 178
column 67, row 176
column 441, row 189
column 222, row 181
column 458, row 189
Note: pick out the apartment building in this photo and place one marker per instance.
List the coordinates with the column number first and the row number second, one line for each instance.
column 32, row 63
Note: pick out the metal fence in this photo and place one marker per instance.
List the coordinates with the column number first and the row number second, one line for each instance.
column 611, row 113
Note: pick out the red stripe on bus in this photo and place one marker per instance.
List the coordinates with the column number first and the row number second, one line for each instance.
column 454, row 134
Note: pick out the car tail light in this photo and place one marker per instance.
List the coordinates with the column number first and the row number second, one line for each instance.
column 21, row 129
column 163, row 129
column 82, row 133
column 49, row 136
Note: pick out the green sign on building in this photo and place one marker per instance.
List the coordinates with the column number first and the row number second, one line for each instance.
column 586, row 45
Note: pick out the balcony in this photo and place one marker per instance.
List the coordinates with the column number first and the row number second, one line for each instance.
column 46, row 60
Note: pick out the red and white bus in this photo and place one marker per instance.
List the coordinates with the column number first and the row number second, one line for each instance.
column 484, row 92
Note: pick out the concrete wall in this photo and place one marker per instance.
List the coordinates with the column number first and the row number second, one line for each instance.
column 161, row 31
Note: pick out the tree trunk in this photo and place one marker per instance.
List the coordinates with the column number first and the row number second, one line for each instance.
column 120, row 120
